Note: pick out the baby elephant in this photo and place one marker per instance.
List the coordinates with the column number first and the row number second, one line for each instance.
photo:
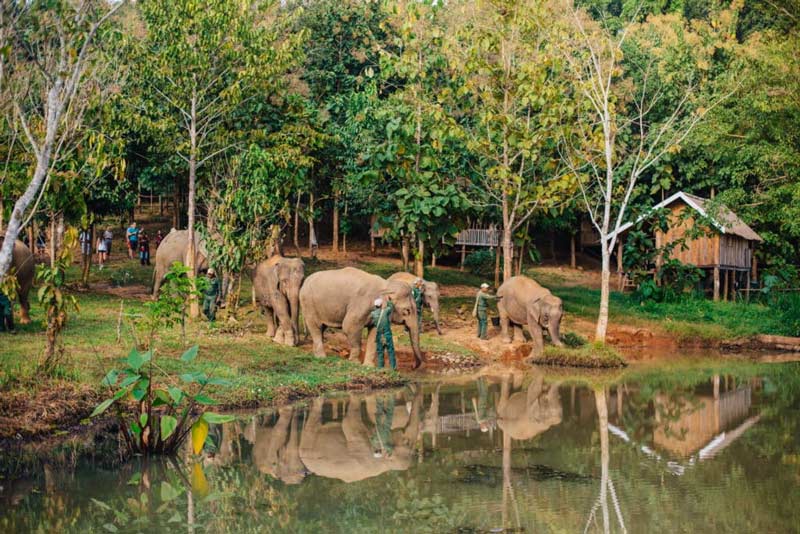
column 526, row 302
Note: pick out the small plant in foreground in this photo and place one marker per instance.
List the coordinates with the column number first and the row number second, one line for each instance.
column 55, row 301
column 166, row 412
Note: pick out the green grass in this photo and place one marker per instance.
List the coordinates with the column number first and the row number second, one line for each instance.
column 686, row 318
column 590, row 355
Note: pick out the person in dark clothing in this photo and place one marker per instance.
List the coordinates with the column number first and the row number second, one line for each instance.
column 417, row 293
column 144, row 248
column 159, row 238
column 381, row 318
column 480, row 310
column 6, row 314
column 211, row 296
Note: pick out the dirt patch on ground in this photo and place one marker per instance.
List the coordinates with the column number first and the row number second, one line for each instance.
column 135, row 292
column 56, row 406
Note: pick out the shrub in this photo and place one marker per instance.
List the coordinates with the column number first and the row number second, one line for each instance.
column 481, row 262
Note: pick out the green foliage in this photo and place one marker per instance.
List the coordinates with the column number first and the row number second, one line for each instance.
column 481, row 262
column 55, row 300
column 166, row 406
column 172, row 304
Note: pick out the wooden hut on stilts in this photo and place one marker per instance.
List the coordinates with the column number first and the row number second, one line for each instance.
column 725, row 247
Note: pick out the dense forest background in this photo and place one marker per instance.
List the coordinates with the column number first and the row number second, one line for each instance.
column 419, row 117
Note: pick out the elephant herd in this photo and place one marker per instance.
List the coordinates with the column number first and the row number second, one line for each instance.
column 341, row 298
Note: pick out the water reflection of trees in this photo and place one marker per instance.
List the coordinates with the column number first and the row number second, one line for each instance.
column 552, row 457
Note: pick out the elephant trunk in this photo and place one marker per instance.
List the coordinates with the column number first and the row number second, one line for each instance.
column 413, row 332
column 294, row 313
column 553, row 328
column 435, row 312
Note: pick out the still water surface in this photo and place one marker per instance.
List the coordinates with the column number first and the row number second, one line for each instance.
column 700, row 449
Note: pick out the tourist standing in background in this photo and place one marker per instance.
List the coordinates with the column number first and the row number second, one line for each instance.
column 132, row 234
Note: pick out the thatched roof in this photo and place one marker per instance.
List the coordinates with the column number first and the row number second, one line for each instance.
column 721, row 217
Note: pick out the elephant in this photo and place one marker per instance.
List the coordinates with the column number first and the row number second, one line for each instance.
column 24, row 265
column 528, row 413
column 430, row 294
column 174, row 248
column 276, row 283
column 343, row 449
column 344, row 298
column 523, row 301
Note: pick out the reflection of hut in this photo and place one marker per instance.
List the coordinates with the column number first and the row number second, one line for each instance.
column 725, row 246
column 701, row 420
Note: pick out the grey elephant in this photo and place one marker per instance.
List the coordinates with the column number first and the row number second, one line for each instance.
column 430, row 294
column 524, row 302
column 277, row 282
column 22, row 261
column 174, row 248
column 344, row 298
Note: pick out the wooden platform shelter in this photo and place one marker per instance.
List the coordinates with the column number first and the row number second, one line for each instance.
column 725, row 246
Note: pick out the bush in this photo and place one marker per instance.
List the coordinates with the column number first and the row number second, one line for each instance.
column 481, row 262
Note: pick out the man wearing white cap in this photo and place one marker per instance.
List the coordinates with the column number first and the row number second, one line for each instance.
column 479, row 310
column 381, row 317
column 211, row 295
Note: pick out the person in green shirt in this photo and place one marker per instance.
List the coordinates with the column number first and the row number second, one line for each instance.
column 417, row 292
column 381, row 317
column 6, row 314
column 479, row 310
column 211, row 295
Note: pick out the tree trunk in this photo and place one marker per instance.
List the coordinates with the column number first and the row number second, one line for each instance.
column 87, row 258
column 39, row 175
column 404, row 246
column 52, row 240
column 602, row 318
column 335, row 244
column 312, row 237
column 716, row 284
column 373, row 219
column 433, row 259
column 296, row 233
column 508, row 253
column 463, row 257
column 191, row 253
column 497, row 267
column 419, row 259
column 2, row 213
column 572, row 259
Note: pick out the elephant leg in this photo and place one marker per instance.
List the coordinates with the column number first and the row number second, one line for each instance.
column 157, row 283
column 270, row 316
column 504, row 323
column 313, row 422
column 538, row 339
column 315, row 330
column 519, row 334
column 283, row 320
column 24, row 309
column 353, row 330
column 370, row 354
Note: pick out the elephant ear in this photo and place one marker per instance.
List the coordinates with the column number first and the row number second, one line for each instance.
column 535, row 308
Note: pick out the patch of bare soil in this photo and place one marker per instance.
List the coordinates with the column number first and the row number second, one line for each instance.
column 137, row 292
column 54, row 406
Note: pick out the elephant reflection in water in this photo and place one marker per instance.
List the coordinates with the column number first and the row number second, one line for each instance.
column 349, row 451
column 276, row 450
column 528, row 413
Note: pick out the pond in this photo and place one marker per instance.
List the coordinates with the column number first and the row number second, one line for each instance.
column 704, row 448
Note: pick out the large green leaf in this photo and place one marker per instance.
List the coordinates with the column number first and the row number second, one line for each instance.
column 168, row 426
column 190, row 354
column 102, row 407
column 216, row 418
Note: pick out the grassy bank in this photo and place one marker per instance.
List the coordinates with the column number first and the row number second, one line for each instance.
column 590, row 355
column 687, row 318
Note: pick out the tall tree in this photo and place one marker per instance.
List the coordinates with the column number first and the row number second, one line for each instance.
column 641, row 90
column 46, row 73
column 513, row 100
column 201, row 62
